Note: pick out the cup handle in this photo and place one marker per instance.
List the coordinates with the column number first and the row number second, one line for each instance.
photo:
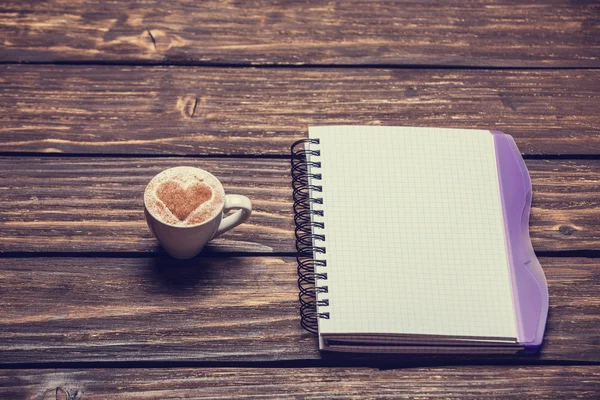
column 232, row 202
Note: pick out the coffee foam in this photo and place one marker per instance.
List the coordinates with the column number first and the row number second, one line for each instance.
column 164, row 197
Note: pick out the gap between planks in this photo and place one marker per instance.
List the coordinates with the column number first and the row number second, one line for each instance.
column 425, row 361
column 462, row 67
column 244, row 156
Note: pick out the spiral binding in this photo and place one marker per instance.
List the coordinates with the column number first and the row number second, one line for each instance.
column 303, row 177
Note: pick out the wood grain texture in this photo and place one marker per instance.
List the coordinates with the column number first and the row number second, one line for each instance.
column 478, row 382
column 101, row 309
column 410, row 32
column 90, row 204
column 220, row 309
column 187, row 110
column 57, row 204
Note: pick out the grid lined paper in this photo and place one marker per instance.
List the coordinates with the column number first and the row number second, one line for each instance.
column 414, row 232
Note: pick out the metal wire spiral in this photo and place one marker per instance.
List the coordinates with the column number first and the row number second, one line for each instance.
column 302, row 176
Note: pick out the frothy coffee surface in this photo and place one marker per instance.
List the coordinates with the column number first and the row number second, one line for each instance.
column 184, row 196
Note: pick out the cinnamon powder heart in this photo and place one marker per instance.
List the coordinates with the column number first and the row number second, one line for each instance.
column 182, row 201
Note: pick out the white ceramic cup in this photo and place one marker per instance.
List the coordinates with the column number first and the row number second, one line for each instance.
column 187, row 241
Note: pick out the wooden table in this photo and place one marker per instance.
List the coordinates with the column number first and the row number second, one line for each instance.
column 97, row 97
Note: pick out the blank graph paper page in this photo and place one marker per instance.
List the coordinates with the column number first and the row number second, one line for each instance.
column 414, row 232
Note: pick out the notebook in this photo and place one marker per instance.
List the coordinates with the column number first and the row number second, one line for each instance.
column 415, row 240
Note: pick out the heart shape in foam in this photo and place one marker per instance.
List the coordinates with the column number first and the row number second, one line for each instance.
column 181, row 201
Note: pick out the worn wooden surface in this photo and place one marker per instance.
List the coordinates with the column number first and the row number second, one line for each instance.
column 96, row 204
column 117, row 302
column 219, row 309
column 55, row 204
column 168, row 110
column 308, row 383
column 474, row 33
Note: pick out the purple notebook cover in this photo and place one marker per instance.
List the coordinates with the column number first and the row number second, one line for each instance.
column 530, row 290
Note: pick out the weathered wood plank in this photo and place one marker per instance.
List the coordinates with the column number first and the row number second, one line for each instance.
column 566, row 197
column 512, row 33
column 183, row 110
column 150, row 309
column 91, row 204
column 57, row 204
column 480, row 382
column 216, row 309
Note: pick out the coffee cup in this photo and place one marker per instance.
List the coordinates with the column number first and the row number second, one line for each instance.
column 186, row 207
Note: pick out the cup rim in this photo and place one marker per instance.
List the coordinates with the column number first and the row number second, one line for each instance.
column 216, row 214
